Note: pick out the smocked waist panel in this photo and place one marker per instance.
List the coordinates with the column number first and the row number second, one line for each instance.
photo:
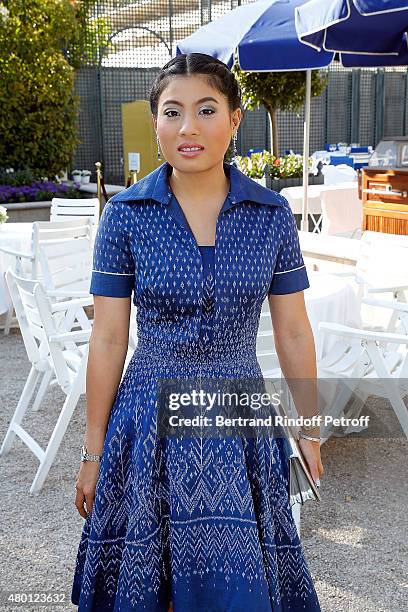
column 173, row 360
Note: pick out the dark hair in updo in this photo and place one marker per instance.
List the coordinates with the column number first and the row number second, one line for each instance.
column 217, row 73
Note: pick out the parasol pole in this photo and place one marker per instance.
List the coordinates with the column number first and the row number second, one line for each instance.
column 306, row 137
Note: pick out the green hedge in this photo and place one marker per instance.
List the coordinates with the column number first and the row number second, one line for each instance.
column 38, row 108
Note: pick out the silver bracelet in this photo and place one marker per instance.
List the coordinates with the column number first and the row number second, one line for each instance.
column 306, row 437
column 85, row 456
column 312, row 426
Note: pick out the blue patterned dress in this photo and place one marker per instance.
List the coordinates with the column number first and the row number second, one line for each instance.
column 203, row 522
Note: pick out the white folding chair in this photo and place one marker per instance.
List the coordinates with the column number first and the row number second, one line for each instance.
column 63, row 209
column 380, row 272
column 382, row 264
column 294, row 196
column 366, row 365
column 57, row 356
column 381, row 268
column 52, row 239
column 66, row 271
column 67, row 266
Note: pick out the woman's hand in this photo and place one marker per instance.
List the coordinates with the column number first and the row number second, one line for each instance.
column 85, row 486
column 311, row 452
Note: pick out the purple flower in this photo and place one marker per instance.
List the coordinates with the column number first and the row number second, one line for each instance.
column 37, row 191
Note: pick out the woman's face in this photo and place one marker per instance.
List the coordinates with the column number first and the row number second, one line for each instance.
column 192, row 112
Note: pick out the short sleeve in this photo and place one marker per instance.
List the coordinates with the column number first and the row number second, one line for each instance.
column 290, row 273
column 113, row 269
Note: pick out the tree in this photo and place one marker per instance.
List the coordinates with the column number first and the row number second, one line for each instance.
column 277, row 91
column 41, row 43
column 91, row 37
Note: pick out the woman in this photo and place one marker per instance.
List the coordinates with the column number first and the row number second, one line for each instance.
column 199, row 523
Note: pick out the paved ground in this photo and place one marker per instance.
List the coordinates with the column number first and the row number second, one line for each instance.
column 355, row 540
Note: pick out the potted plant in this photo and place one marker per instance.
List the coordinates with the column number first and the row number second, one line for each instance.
column 77, row 176
column 3, row 215
column 85, row 176
column 287, row 171
column 276, row 172
column 254, row 166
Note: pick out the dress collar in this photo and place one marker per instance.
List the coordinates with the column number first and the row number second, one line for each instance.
column 155, row 186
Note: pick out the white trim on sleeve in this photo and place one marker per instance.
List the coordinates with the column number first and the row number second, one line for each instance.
column 116, row 273
column 293, row 269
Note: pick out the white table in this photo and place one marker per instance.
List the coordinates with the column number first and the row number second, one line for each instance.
column 330, row 248
column 14, row 236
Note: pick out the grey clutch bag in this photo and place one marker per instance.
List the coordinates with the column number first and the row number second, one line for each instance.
column 302, row 487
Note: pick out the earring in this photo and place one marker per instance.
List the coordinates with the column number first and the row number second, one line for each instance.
column 234, row 138
column 158, row 149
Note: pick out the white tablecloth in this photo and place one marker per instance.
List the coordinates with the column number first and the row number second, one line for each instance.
column 331, row 299
column 14, row 236
column 294, row 196
column 330, row 248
